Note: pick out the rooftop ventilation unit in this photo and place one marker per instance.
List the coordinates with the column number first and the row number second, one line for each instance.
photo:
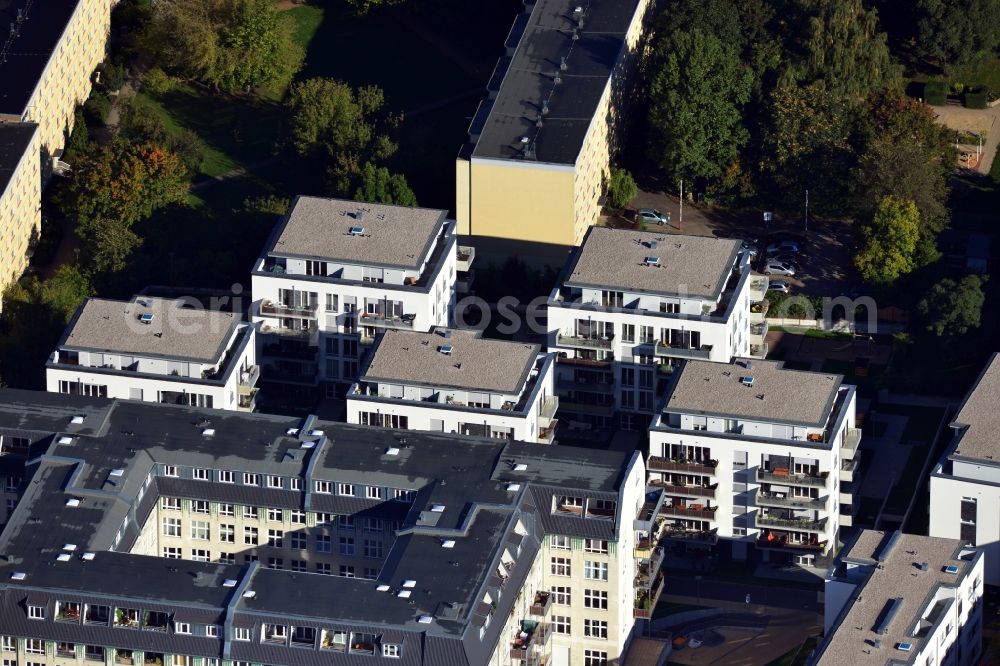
column 18, row 575
column 877, row 644
column 87, row 556
column 249, row 594
column 446, row 349
column 904, row 647
column 520, row 467
column 73, row 502
column 652, row 261
column 425, row 619
column 229, row 582
column 146, row 317
column 403, row 594
column 883, row 553
column 76, row 420
column 448, row 543
column 392, row 451
column 409, row 584
column 63, row 557
column 208, row 432
column 117, row 473
column 888, row 613
column 382, row 588
column 951, row 569
column 923, row 566
column 357, row 231
column 65, row 440
column 437, row 508
column 70, row 547
column 746, row 380
column 652, row 245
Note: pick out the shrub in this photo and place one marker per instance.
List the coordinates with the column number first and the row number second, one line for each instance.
column 936, row 93
column 158, row 82
column 112, row 77
column 79, row 140
column 96, row 109
column 621, row 188
column 975, row 98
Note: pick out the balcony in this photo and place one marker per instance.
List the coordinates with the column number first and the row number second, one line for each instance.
column 547, row 411
column 686, row 490
column 852, row 438
column 272, row 309
column 586, row 362
column 689, row 511
column 306, row 335
column 465, row 255
column 529, row 641
column 289, row 376
column 585, row 408
column 645, row 602
column 403, row 322
column 783, row 500
column 659, row 464
column 798, row 524
column 649, row 570
column 758, row 288
column 295, row 352
column 757, row 332
column 773, row 540
column 784, row 478
column 541, row 604
column 759, row 351
column 583, row 342
column 847, row 469
column 248, row 379
column 703, row 353
column 681, row 533
column 247, row 402
column 463, row 283
column 547, row 435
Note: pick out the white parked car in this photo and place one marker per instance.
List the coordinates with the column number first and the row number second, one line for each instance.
column 778, row 268
column 653, row 215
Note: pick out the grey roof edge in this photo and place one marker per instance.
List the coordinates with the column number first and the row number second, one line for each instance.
column 975, row 386
column 20, row 159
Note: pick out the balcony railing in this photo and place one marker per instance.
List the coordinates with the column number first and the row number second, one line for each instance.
column 777, row 541
column 646, row 603
column 852, row 437
column 304, row 334
column 404, row 322
column 465, row 255
column 759, row 330
column 686, row 490
column 271, row 309
column 586, row 408
column 703, row 353
column 586, row 362
column 771, row 499
column 759, row 351
column 659, row 464
column 586, row 342
column 803, row 524
column 692, row 511
column 247, row 402
column 683, row 534
column 299, row 353
column 547, row 411
column 248, row 379
column 787, row 479
column 541, row 604
column 531, row 639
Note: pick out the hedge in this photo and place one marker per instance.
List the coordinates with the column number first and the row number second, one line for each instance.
column 975, row 100
column 936, row 93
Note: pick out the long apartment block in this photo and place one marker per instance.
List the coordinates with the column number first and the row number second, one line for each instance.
column 457, row 382
column 156, row 350
column 20, row 197
column 903, row 599
column 632, row 305
column 335, row 274
column 540, row 144
column 156, row 534
column 758, row 457
column 965, row 484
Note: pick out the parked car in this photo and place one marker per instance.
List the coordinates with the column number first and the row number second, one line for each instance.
column 779, row 285
column 777, row 268
column 783, row 247
column 750, row 248
column 653, row 215
column 787, row 259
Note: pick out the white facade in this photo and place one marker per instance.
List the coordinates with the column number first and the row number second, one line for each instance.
column 617, row 348
column 781, row 488
column 318, row 317
column 528, row 415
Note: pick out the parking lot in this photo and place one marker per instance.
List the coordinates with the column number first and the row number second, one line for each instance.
column 826, row 252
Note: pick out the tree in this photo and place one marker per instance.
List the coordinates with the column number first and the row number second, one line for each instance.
column 952, row 308
column 889, row 241
column 66, row 289
column 697, row 89
column 844, row 52
column 79, row 138
column 364, row 6
column 250, row 42
column 380, row 186
column 621, row 188
column 956, row 32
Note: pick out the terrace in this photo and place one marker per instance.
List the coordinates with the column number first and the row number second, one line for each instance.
column 661, row 464
column 586, row 362
column 780, row 540
column 693, row 510
column 68, row 611
column 686, row 490
column 783, row 520
column 681, row 532
column 584, row 342
column 271, row 309
column 765, row 498
column 530, row 635
column 781, row 476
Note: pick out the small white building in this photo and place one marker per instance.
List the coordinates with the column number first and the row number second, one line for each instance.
column 965, row 485
column 631, row 305
column 758, row 455
column 156, row 350
column 899, row 598
column 457, row 382
column 335, row 273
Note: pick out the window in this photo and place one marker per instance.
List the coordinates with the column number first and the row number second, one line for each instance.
column 345, row 489
column 595, row 599
column 241, row 633
column 595, row 570
column 172, row 527
column 295, row 483
column 212, row 631
column 560, row 542
column 323, row 543
column 345, row 522
column 331, row 302
column 200, row 555
column 182, row 628
column 171, row 553
column 628, row 332
column 560, row 566
column 323, row 568
column 373, row 492
column 374, row 525
column 298, row 541
column 274, row 482
column 297, row 565
column 322, row 487
column 595, row 546
column 169, row 470
column 227, row 533
column 595, row 658
column 225, row 476
column 250, row 512
column 34, row 646
column 346, row 571
column 199, row 530
column 401, row 495
column 275, row 515
column 8, row 644
column 595, row 628
column 227, row 558
column 560, row 624
column 561, row 596
column 36, row 612
column 93, row 653
column 251, row 479
column 391, row 650
column 199, row 506
column 200, row 474
column 275, row 563
column 170, row 504
column 227, row 510
column 250, row 536
column 275, row 538
column 346, row 545
column 373, row 549
column 298, row 517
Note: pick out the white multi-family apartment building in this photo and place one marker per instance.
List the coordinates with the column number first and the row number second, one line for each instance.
column 758, row 455
column 336, row 273
column 897, row 598
column 631, row 305
column 457, row 382
column 156, row 350
column 965, row 485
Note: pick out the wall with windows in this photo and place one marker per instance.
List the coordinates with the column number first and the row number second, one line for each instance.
column 968, row 509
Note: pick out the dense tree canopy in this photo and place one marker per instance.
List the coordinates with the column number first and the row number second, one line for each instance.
column 955, row 32
column 380, row 186
column 953, row 308
column 889, row 242
column 697, row 89
column 621, row 188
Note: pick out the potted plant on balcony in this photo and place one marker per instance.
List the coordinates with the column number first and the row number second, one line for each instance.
column 123, row 618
